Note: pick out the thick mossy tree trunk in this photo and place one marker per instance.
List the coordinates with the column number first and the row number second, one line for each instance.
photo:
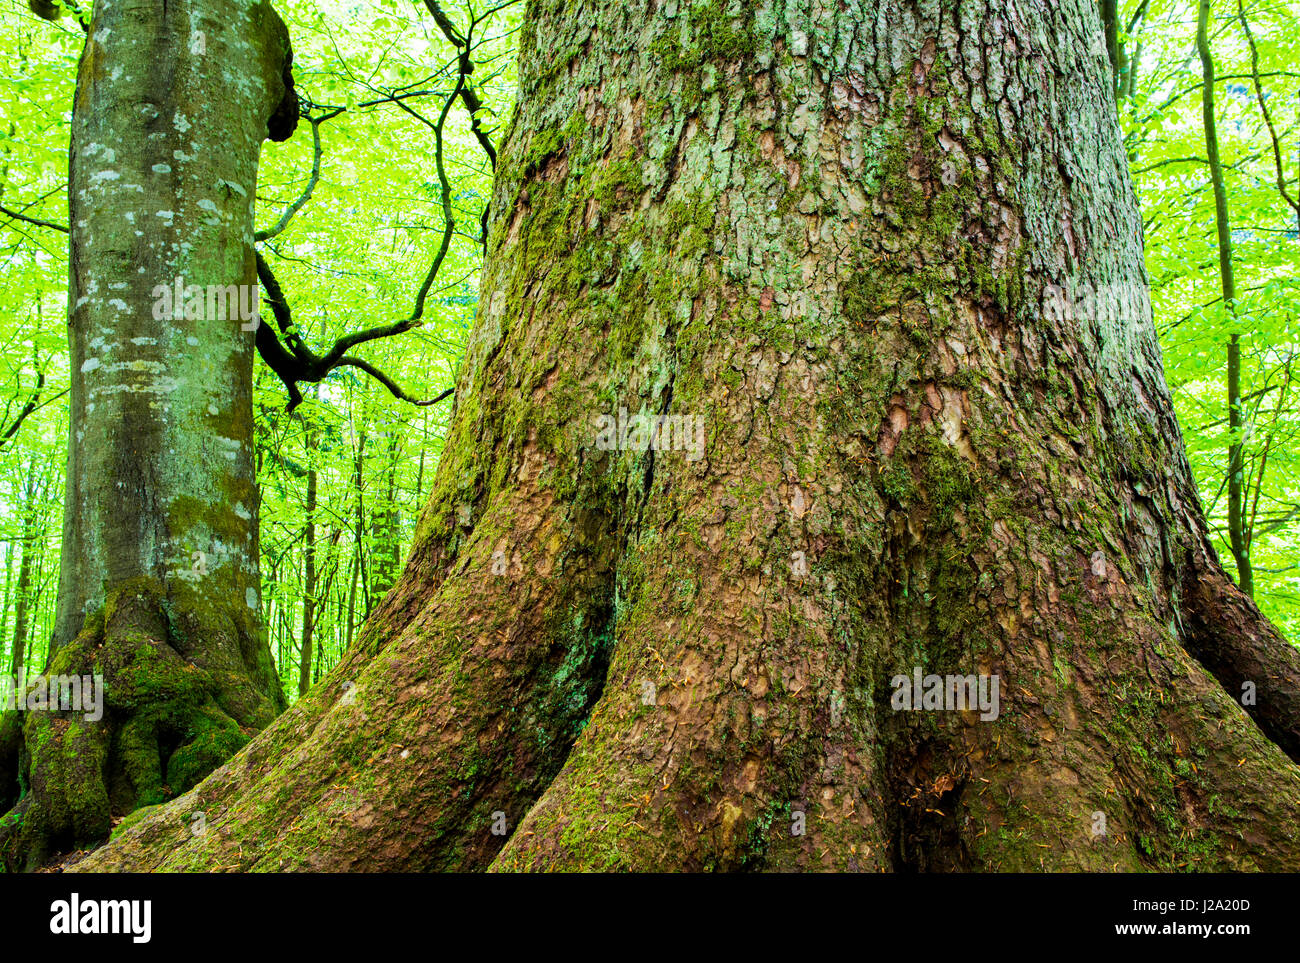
column 159, row 585
column 888, row 255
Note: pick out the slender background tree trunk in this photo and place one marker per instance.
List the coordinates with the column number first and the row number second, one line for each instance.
column 309, row 580
column 23, row 590
column 1238, row 535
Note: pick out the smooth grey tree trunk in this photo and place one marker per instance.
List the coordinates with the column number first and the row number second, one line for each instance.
column 159, row 585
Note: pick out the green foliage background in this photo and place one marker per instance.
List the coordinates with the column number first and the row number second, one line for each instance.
column 355, row 254
column 1164, row 132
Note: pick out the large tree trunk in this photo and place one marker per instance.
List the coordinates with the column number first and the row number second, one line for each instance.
column 159, row 587
column 838, row 234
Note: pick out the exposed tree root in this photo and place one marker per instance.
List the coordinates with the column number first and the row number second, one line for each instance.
column 169, row 717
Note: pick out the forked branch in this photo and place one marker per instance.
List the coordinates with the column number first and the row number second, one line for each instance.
column 293, row 361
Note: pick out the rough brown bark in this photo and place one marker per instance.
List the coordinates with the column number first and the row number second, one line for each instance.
column 857, row 240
